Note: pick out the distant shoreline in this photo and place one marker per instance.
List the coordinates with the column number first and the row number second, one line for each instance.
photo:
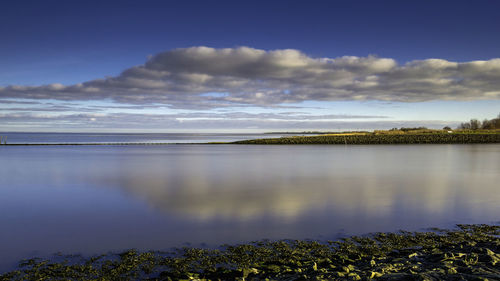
column 425, row 136
column 387, row 137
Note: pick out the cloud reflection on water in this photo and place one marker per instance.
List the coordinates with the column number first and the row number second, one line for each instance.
column 384, row 182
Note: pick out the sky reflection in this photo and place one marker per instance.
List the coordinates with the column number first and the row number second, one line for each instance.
column 90, row 199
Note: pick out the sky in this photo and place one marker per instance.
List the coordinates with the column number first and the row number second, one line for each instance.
column 246, row 66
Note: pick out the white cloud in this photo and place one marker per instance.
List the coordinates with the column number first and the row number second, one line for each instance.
column 181, row 77
column 199, row 121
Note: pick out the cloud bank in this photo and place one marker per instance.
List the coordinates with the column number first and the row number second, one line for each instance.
column 202, row 77
column 182, row 122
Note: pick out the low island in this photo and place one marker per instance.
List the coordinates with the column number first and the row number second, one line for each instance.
column 474, row 131
column 394, row 136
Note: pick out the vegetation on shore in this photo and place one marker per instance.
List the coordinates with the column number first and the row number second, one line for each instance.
column 474, row 131
column 472, row 125
column 475, row 124
column 418, row 136
column 471, row 252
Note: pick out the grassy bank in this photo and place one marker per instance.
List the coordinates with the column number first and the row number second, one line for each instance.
column 387, row 137
column 471, row 252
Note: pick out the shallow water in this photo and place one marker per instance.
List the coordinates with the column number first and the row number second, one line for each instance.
column 93, row 199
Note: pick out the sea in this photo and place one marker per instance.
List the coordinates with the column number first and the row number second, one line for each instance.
column 89, row 200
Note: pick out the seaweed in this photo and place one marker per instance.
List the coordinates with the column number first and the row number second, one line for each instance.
column 469, row 252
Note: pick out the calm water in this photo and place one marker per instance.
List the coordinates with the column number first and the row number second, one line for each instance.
column 93, row 199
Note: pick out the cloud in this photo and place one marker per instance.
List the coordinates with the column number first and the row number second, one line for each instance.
column 156, row 119
column 181, row 78
column 201, row 120
column 48, row 108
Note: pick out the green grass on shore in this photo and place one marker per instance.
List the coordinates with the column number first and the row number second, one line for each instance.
column 471, row 252
column 387, row 137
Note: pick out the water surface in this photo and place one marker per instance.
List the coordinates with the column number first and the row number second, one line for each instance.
column 93, row 199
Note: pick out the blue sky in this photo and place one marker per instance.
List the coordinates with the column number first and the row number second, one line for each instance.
column 375, row 54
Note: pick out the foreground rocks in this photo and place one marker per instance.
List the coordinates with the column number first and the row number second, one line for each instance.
column 470, row 252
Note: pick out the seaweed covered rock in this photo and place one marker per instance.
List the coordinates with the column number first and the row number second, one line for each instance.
column 470, row 252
